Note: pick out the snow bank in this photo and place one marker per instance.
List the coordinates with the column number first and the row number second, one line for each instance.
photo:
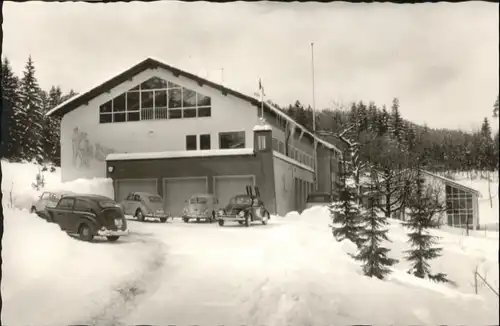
column 337, row 289
column 96, row 186
column 43, row 266
column 17, row 180
column 461, row 254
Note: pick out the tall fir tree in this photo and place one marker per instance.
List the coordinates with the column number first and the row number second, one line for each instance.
column 373, row 118
column 345, row 212
column 383, row 122
column 362, row 117
column 424, row 206
column 54, row 122
column 373, row 254
column 396, row 121
column 11, row 115
column 496, row 151
column 31, row 108
column 486, row 149
column 495, row 108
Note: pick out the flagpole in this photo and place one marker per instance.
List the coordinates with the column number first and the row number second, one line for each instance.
column 314, row 120
column 261, row 115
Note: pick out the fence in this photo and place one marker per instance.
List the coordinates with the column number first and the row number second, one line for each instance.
column 476, row 275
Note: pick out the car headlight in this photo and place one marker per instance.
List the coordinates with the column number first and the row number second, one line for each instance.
column 220, row 212
column 241, row 214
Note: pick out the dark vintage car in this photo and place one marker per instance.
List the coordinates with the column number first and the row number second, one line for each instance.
column 244, row 209
column 89, row 216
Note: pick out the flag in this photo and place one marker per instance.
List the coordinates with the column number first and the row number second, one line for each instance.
column 261, row 88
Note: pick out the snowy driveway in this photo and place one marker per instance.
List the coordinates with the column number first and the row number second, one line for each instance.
column 269, row 275
column 289, row 272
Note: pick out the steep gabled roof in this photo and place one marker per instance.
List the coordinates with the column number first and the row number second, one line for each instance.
column 150, row 63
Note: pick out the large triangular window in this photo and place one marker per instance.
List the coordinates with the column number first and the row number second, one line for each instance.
column 156, row 99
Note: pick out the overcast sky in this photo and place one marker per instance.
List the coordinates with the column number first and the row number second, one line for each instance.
column 441, row 60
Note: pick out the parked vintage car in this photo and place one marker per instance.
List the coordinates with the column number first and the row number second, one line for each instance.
column 89, row 216
column 200, row 207
column 143, row 205
column 318, row 199
column 244, row 209
column 47, row 199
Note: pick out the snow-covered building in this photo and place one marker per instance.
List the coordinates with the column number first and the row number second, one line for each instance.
column 157, row 128
column 461, row 201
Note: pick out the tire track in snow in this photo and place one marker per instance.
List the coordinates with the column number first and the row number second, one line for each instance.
column 129, row 293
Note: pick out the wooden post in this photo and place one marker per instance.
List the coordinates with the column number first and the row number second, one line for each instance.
column 475, row 280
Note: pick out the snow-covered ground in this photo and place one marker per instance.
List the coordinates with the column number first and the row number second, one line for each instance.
column 290, row 272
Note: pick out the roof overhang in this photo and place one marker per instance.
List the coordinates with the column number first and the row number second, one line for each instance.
column 178, row 154
column 453, row 183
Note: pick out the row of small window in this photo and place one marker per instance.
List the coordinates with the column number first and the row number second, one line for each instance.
column 227, row 140
column 293, row 153
column 155, row 114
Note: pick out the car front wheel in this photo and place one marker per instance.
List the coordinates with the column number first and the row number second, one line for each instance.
column 85, row 233
column 221, row 222
column 112, row 238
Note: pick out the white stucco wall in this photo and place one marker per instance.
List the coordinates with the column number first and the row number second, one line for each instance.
column 439, row 186
column 284, row 174
column 228, row 114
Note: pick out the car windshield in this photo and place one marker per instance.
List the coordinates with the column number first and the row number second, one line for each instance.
column 56, row 197
column 155, row 199
column 108, row 204
column 241, row 200
column 198, row 200
column 319, row 198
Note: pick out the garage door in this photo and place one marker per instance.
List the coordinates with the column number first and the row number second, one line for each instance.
column 124, row 187
column 227, row 187
column 177, row 191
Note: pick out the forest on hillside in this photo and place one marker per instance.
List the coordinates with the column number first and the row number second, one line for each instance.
column 446, row 150
column 27, row 134
column 30, row 135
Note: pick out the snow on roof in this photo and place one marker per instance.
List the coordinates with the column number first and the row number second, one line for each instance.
column 292, row 161
column 179, row 154
column 57, row 107
column 453, row 182
column 290, row 120
column 262, row 126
